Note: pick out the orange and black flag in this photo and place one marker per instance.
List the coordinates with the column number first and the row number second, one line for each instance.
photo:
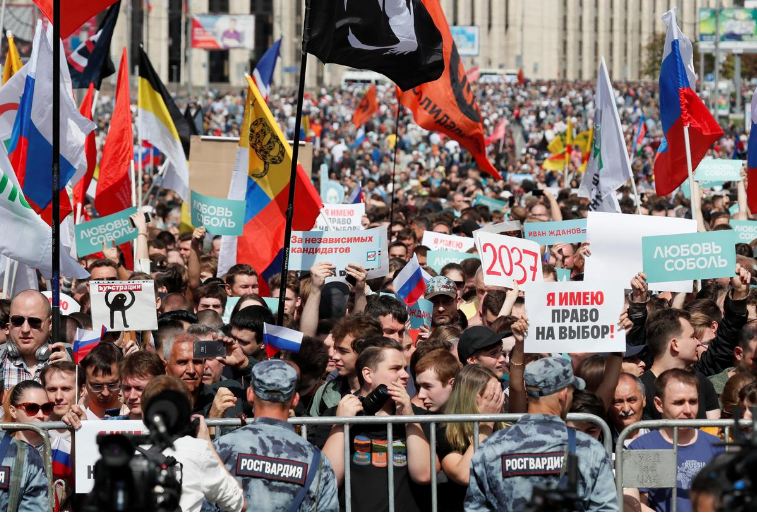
column 447, row 104
column 367, row 107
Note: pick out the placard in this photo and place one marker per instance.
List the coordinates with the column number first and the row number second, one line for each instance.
column 552, row 232
column 746, row 231
column 506, row 260
column 339, row 248
column 383, row 251
column 211, row 164
column 712, row 170
column 493, row 204
column 124, row 305
column 88, row 452
column 442, row 241
column 574, row 317
column 503, row 227
column 108, row 230
column 220, row 216
column 272, row 303
column 436, row 259
column 693, row 256
column 67, row 304
column 341, row 217
column 615, row 243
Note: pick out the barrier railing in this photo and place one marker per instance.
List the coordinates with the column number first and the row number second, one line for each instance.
column 46, row 450
column 658, row 468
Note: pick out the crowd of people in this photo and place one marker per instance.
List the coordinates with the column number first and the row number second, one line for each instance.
column 688, row 356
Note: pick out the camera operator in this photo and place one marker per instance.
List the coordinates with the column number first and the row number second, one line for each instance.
column 382, row 377
column 203, row 475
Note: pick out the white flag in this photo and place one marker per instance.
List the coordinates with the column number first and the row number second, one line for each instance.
column 608, row 166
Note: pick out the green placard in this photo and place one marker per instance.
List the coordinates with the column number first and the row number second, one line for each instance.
column 272, row 303
column 436, row 259
column 113, row 229
column 746, row 231
column 691, row 256
column 717, row 171
column 492, row 203
column 219, row 216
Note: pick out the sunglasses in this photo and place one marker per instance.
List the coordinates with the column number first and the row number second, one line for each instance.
column 17, row 321
column 32, row 409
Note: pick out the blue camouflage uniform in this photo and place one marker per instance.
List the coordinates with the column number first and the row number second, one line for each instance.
column 512, row 462
column 33, row 482
column 269, row 460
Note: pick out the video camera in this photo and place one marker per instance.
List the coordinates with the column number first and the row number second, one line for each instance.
column 740, row 469
column 130, row 478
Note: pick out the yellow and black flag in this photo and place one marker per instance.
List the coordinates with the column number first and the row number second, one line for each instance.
column 162, row 123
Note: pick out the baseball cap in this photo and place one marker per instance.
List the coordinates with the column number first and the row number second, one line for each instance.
column 440, row 285
column 274, row 380
column 476, row 338
column 549, row 375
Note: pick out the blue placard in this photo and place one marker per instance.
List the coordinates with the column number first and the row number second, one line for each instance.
column 551, row 232
column 746, row 231
column 109, row 230
column 420, row 313
column 690, row 256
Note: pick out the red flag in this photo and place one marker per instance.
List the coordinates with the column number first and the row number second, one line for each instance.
column 521, row 77
column 367, row 107
column 498, row 133
column 73, row 12
column 114, row 186
column 90, row 148
column 447, row 105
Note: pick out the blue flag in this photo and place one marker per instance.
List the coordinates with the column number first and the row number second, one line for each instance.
column 263, row 73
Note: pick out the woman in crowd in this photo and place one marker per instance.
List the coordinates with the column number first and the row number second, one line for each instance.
column 27, row 403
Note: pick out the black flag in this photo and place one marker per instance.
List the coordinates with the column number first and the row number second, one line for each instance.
column 397, row 38
column 90, row 61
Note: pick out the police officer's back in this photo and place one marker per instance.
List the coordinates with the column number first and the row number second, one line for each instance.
column 23, row 483
column 512, row 463
column 278, row 469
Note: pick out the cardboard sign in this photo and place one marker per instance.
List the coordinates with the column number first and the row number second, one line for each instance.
column 442, row 241
column 88, row 452
column 339, row 248
column 420, row 313
column 574, row 317
column 508, row 260
column 124, row 305
column 219, row 216
column 341, row 217
column 712, row 170
column 746, row 231
column 493, row 204
column 615, row 241
column 692, row 256
column 109, row 230
column 436, row 259
column 552, row 232
column 211, row 163
column 67, row 304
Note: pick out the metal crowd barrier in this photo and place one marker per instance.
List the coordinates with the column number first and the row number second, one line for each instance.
column 658, row 468
column 47, row 457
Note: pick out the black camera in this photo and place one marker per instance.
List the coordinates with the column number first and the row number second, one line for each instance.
column 374, row 401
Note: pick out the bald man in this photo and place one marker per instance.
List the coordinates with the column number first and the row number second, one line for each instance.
column 28, row 350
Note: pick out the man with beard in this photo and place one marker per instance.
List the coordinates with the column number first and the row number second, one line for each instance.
column 442, row 292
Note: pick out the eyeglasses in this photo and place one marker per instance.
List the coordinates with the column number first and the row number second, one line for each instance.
column 32, row 409
column 35, row 323
column 99, row 387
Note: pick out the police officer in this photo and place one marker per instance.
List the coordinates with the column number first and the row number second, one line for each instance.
column 23, row 483
column 278, row 469
column 513, row 462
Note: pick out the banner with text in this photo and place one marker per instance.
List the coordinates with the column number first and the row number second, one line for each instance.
column 219, row 216
column 341, row 217
column 339, row 248
column 573, row 317
column 436, row 259
column 123, row 305
column 506, row 260
column 746, row 231
column 693, row 256
column 109, row 230
column 717, row 171
column 552, row 232
column 494, row 205
column 442, row 241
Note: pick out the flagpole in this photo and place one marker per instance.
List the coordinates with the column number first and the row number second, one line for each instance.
column 139, row 142
column 394, row 160
column 694, row 201
column 293, row 170
column 55, row 228
column 2, row 19
column 6, row 279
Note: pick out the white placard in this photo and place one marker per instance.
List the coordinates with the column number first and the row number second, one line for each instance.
column 124, row 305
column 341, row 217
column 505, row 260
column 339, row 248
column 615, row 243
column 574, row 317
column 87, row 451
column 503, row 227
column 383, row 249
column 439, row 241
column 68, row 305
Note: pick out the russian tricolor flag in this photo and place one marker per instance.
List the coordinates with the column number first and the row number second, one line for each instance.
column 751, row 159
column 61, row 457
column 263, row 72
column 85, row 342
column 279, row 338
column 410, row 282
column 680, row 107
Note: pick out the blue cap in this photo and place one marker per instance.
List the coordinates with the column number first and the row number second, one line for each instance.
column 274, row 380
column 550, row 375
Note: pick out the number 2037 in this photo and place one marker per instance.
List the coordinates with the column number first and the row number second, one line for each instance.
column 509, row 262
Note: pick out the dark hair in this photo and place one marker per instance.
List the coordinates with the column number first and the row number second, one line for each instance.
column 493, row 301
column 171, row 278
column 707, row 307
column 21, row 387
column 211, row 290
column 5, row 311
column 101, row 358
column 398, row 244
column 587, row 402
column 312, row 359
column 683, row 376
column 747, row 334
column 167, row 238
column 371, row 357
column 380, row 305
column 59, row 366
column 662, row 326
column 361, row 344
column 142, row 364
column 177, row 315
column 160, row 384
column 252, row 318
column 293, row 282
column 358, row 325
column 452, row 266
column 102, row 262
column 239, row 269
column 470, row 267
column 592, row 370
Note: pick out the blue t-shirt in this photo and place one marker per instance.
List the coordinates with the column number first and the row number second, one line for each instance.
column 691, row 459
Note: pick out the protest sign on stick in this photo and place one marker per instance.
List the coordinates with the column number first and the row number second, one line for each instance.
column 508, row 260
column 123, row 305
column 692, row 256
column 442, row 241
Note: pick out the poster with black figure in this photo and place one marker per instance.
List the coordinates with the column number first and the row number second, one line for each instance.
column 124, row 305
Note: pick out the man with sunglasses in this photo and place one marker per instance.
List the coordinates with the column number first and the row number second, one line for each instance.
column 28, row 349
column 100, row 371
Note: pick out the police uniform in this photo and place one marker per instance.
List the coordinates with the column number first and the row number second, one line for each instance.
column 270, row 461
column 24, row 471
column 513, row 462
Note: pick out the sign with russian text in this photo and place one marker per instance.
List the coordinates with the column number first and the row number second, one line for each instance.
column 341, row 217
column 507, row 260
column 123, row 305
column 442, row 241
column 383, row 250
column 108, row 230
column 693, row 256
column 746, row 231
column 67, row 304
column 493, row 204
column 88, row 452
column 573, row 317
column 552, row 232
column 339, row 248
column 219, row 216
column 436, row 259
column 712, row 170
column 420, row 313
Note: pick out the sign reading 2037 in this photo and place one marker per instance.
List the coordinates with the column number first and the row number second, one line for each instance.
column 508, row 260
